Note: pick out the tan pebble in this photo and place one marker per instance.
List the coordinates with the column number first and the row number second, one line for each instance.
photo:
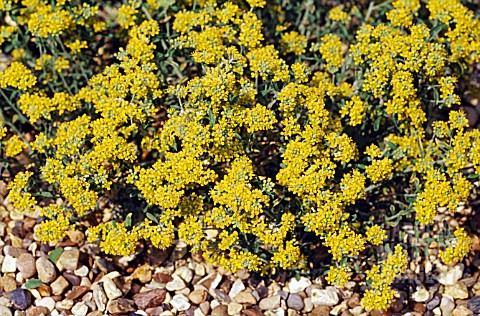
column 46, row 270
column 197, row 296
column 7, row 283
column 245, row 298
column 143, row 273
column 234, row 308
column 59, row 285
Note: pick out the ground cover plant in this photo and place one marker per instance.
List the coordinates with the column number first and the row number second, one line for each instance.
column 256, row 132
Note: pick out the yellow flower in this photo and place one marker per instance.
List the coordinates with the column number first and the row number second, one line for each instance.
column 17, row 76
column 331, row 50
column 76, row 46
column 381, row 277
column 355, row 110
column 458, row 247
column 14, row 146
column 375, row 235
column 380, row 169
column 126, row 16
column 373, row 151
column 338, row 276
column 257, row 3
column 292, row 42
column 337, row 14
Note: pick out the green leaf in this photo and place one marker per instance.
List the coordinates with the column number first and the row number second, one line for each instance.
column 376, row 124
column 45, row 194
column 152, row 218
column 128, row 220
column 55, row 254
column 33, row 283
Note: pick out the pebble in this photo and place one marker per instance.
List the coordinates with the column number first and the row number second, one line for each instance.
column 20, row 298
column 419, row 308
column 252, row 312
column 474, row 304
column 220, row 310
column 434, row 302
column 77, row 291
column 295, row 286
column 447, row 305
column 327, row 297
column 234, row 308
column 337, row 310
column 450, row 275
column 185, row 273
column 421, row 295
column 26, row 265
column 176, row 284
column 237, row 287
column 47, row 302
column 46, row 270
column 36, row 311
column 211, row 281
column 79, row 309
column 275, row 312
column 458, row 290
column 295, row 301
column 72, row 278
column 121, row 306
column 111, row 290
column 200, row 270
column 198, row 296
column 461, row 311
column 99, row 297
column 143, row 273
column 64, row 304
column 179, row 251
column 82, row 271
column 321, row 311
column 59, row 285
column 9, row 264
column 5, row 311
column 221, row 296
column 162, row 277
column 148, row 299
column 397, row 305
column 68, row 260
column 7, row 283
column 180, row 302
column 205, row 307
column 271, row 302
column 245, row 298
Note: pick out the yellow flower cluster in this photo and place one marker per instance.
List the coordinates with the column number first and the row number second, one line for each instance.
column 375, row 235
column 337, row 14
column 331, row 50
column 458, row 248
column 355, row 110
column 380, row 169
column 381, row 277
column 292, row 42
column 338, row 276
column 14, row 146
column 17, row 76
